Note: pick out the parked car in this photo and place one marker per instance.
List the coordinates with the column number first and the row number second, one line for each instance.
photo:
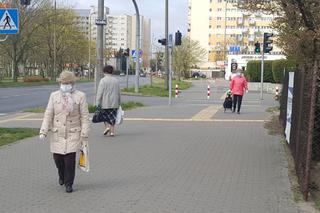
column 143, row 74
column 198, row 75
column 122, row 74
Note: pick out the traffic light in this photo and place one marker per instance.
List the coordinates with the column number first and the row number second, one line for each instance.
column 25, row 2
column 163, row 41
column 126, row 52
column 257, row 47
column 267, row 41
column 177, row 40
column 234, row 66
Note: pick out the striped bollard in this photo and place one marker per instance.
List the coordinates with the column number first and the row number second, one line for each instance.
column 208, row 92
column 277, row 93
column 177, row 91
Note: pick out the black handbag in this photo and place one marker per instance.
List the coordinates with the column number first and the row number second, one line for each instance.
column 98, row 116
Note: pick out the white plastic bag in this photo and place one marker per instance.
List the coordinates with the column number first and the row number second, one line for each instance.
column 84, row 157
column 120, row 114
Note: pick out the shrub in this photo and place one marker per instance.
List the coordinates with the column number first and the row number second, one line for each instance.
column 278, row 67
column 34, row 79
column 253, row 71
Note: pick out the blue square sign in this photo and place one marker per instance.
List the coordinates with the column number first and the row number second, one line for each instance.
column 9, row 21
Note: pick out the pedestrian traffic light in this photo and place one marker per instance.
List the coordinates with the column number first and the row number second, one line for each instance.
column 25, row 2
column 257, row 47
column 163, row 41
column 267, row 41
column 177, row 40
column 234, row 66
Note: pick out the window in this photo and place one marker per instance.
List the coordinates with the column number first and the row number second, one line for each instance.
column 219, row 18
column 210, row 9
column 219, row 9
column 209, row 26
column 218, row 26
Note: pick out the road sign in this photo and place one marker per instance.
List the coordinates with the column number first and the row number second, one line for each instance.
column 101, row 22
column 9, row 21
column 133, row 53
column 234, row 49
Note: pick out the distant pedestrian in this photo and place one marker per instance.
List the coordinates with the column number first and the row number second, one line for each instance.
column 238, row 86
column 68, row 118
column 109, row 99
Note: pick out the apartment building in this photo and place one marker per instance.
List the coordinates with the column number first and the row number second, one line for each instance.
column 85, row 20
column 120, row 31
column 223, row 29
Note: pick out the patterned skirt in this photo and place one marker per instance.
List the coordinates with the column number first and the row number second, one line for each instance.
column 110, row 115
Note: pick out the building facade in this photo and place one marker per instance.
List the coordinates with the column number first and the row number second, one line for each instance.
column 120, row 31
column 223, row 29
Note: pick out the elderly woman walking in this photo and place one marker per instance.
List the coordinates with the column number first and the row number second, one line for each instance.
column 109, row 99
column 67, row 117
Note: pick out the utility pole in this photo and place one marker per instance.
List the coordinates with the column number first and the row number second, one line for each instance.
column 136, row 85
column 100, row 22
column 89, row 63
column 262, row 71
column 167, row 45
column 54, row 41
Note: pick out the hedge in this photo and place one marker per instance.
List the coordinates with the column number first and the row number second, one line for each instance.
column 34, row 79
column 254, row 69
column 278, row 67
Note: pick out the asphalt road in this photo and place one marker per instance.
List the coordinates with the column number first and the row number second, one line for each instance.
column 16, row 99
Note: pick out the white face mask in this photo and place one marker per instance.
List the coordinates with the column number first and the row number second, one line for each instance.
column 66, row 88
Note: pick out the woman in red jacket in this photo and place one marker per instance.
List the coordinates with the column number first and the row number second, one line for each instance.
column 238, row 86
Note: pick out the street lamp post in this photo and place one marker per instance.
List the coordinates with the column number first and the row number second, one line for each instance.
column 136, row 87
column 90, row 39
column 167, row 41
column 225, row 32
column 100, row 22
column 89, row 63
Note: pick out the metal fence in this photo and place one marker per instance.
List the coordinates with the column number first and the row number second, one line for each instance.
column 305, row 126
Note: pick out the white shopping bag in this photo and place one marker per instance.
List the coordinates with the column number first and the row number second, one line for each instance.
column 84, row 157
column 120, row 114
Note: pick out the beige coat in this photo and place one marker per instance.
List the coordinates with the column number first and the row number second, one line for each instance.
column 68, row 130
column 109, row 93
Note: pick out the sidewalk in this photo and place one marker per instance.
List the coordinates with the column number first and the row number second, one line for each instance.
column 161, row 161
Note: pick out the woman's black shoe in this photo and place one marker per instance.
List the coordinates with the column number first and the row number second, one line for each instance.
column 61, row 182
column 69, row 189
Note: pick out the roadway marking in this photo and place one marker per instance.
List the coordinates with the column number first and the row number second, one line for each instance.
column 194, row 120
column 173, row 120
column 206, row 113
column 16, row 118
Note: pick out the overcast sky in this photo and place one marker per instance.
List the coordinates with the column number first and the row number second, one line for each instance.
column 153, row 9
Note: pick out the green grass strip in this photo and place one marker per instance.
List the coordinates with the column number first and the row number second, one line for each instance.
column 11, row 135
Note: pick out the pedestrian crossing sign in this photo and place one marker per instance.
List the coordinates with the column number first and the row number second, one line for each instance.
column 9, row 21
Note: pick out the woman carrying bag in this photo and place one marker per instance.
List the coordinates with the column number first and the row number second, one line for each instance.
column 109, row 99
column 68, row 118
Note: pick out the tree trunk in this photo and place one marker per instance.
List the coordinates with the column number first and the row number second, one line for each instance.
column 15, row 65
